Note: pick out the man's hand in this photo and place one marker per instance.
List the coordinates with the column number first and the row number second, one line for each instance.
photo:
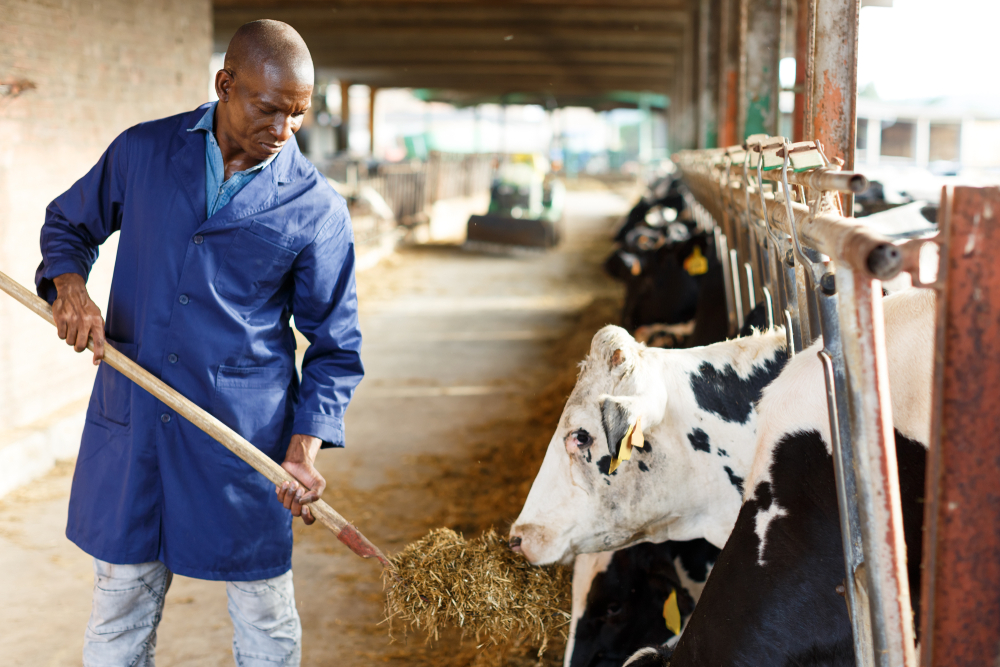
column 77, row 318
column 299, row 460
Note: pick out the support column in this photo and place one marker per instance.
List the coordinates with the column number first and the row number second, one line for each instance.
column 372, row 92
column 765, row 30
column 682, row 103
column 344, row 131
column 708, row 72
column 834, row 87
column 922, row 150
column 805, row 38
column 729, row 71
column 873, row 150
column 961, row 577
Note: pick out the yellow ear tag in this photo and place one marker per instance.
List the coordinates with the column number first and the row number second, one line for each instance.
column 696, row 264
column 672, row 614
column 633, row 438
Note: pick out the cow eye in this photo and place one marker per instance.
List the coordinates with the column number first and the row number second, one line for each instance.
column 613, row 610
column 583, row 438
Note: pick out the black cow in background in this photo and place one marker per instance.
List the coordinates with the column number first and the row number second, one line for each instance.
column 626, row 603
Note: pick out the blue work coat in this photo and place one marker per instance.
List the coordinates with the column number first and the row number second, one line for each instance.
column 204, row 305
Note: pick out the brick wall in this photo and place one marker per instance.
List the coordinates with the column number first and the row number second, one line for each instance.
column 99, row 67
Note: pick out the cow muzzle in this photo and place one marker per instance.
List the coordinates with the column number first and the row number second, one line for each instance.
column 535, row 543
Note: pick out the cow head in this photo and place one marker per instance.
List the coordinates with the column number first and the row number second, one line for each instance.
column 594, row 489
column 652, row 446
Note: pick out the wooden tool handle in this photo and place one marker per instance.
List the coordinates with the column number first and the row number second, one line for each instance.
column 231, row 440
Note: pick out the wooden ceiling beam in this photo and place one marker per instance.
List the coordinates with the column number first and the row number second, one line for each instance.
column 645, row 18
column 379, row 56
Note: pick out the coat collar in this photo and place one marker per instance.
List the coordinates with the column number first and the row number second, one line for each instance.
column 188, row 164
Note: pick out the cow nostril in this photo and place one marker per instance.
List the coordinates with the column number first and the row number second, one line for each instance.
column 515, row 543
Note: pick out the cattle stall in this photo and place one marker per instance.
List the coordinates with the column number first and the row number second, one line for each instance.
column 781, row 212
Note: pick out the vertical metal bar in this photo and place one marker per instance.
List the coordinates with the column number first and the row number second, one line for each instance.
column 765, row 30
column 722, row 243
column 742, row 22
column 835, row 373
column 729, row 70
column 372, row 92
column 708, row 73
column 870, row 413
column 344, row 129
column 734, row 271
column 805, row 11
column 835, row 81
column 961, row 600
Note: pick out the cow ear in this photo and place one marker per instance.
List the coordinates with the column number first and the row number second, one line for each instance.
column 616, row 419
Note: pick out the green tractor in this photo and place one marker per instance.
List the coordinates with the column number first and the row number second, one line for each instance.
column 526, row 206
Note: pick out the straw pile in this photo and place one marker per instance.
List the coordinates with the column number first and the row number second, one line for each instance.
column 480, row 586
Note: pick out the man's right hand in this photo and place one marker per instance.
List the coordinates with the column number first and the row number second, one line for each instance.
column 77, row 317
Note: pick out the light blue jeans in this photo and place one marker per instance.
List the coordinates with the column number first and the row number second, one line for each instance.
column 128, row 605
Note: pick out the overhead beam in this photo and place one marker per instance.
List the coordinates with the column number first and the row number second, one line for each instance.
column 538, row 84
column 378, row 55
column 445, row 14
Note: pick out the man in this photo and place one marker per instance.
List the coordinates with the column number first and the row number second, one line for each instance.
column 226, row 231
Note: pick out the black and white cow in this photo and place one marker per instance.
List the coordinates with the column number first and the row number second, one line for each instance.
column 773, row 595
column 621, row 599
column 695, row 411
column 614, row 614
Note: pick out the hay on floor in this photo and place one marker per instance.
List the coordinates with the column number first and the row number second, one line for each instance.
column 480, row 586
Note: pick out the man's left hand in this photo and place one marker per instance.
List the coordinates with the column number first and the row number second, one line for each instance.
column 299, row 459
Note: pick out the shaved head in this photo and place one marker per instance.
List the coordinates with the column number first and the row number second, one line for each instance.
column 270, row 45
column 264, row 89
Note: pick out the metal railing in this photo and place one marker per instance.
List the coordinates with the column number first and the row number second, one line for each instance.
column 783, row 241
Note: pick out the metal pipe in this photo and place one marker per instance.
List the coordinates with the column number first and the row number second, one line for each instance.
column 824, row 178
column 874, row 445
column 961, row 599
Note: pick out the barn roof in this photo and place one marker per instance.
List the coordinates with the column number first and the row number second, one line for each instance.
column 591, row 52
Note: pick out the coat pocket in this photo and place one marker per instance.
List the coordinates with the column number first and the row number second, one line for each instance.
column 113, row 391
column 254, row 402
column 255, row 265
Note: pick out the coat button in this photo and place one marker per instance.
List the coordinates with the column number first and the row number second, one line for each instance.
column 183, row 299
column 199, row 239
column 165, row 418
column 172, row 358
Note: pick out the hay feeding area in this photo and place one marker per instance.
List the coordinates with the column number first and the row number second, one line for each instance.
column 480, row 586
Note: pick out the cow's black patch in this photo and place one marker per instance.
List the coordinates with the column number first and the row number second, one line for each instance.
column 722, row 452
column 787, row 611
column 604, row 465
column 643, row 467
column 699, row 440
column 647, row 447
column 725, row 393
column 734, row 479
column 589, row 455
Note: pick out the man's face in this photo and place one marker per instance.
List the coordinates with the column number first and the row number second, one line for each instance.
column 264, row 106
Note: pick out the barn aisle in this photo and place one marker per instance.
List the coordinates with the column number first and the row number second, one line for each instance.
column 468, row 358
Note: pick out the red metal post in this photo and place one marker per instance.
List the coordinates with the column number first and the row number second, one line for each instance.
column 961, row 585
column 835, row 78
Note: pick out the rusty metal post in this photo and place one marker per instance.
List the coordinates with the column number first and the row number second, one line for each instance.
column 834, row 85
column 372, row 92
column 708, row 72
column 765, row 31
column 874, row 445
column 805, row 39
column 961, row 582
column 729, row 70
column 344, row 130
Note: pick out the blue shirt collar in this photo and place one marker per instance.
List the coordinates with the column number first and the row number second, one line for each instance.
column 207, row 125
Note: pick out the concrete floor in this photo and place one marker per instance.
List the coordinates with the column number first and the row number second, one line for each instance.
column 466, row 355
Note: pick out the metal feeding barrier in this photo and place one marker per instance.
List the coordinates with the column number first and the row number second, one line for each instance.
column 784, row 242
